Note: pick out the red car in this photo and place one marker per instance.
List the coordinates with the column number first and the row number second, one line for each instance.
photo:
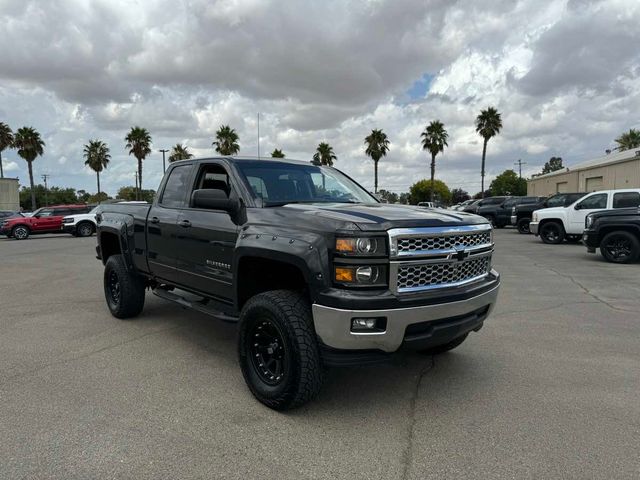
column 43, row 220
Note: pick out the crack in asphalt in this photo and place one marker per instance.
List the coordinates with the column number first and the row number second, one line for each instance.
column 407, row 456
column 585, row 289
column 88, row 354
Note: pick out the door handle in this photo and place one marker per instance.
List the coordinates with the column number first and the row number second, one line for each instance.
column 155, row 220
column 185, row 223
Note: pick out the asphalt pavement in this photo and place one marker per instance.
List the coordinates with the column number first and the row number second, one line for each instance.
column 549, row 388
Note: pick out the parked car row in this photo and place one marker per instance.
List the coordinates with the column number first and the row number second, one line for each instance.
column 77, row 220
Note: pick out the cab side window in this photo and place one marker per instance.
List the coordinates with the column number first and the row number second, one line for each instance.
column 215, row 177
column 176, row 187
column 626, row 199
column 594, row 201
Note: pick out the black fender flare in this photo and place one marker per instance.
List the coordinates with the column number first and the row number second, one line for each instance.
column 117, row 226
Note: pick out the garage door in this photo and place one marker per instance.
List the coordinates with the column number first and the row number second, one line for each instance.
column 593, row 184
column 562, row 187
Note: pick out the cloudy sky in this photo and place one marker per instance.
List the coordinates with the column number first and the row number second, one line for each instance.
column 564, row 74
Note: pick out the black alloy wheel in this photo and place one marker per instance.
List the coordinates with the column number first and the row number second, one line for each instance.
column 113, row 288
column 620, row 247
column 523, row 226
column 552, row 233
column 266, row 346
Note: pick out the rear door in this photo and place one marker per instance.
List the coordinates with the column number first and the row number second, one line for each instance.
column 589, row 204
column 208, row 238
column 162, row 223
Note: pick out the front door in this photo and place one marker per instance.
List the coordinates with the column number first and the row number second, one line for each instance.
column 208, row 239
column 162, row 225
column 578, row 214
column 45, row 221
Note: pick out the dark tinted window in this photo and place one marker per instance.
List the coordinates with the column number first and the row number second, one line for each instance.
column 510, row 203
column 524, row 200
column 176, row 187
column 45, row 212
column 493, row 201
column 626, row 199
column 594, row 201
column 61, row 212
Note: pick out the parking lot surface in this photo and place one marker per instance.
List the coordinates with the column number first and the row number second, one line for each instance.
column 549, row 388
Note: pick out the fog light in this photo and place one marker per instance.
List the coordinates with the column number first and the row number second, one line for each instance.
column 363, row 323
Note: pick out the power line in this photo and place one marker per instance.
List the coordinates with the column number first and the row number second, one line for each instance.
column 520, row 163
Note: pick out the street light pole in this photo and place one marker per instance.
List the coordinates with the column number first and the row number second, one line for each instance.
column 45, row 177
column 164, row 167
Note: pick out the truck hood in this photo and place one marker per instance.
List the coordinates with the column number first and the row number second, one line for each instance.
column 547, row 212
column 622, row 212
column 372, row 217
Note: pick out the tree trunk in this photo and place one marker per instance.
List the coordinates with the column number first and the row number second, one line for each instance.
column 140, row 179
column 433, row 174
column 484, row 154
column 98, row 176
column 33, row 191
column 1, row 171
column 375, row 176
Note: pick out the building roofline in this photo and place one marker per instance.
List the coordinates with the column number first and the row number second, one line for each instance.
column 610, row 159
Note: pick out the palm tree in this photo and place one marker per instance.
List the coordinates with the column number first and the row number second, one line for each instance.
column 6, row 141
column 29, row 145
column 226, row 141
column 627, row 140
column 324, row 155
column 488, row 124
column 96, row 157
column 139, row 145
column 180, row 152
column 377, row 147
column 434, row 139
column 277, row 153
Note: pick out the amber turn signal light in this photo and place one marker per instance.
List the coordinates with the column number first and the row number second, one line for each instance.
column 346, row 245
column 344, row 274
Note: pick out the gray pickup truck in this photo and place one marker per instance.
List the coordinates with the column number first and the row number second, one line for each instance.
column 314, row 269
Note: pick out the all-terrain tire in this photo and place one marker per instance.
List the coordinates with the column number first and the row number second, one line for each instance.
column 124, row 290
column 620, row 247
column 286, row 315
column 20, row 232
column 523, row 226
column 552, row 233
column 85, row 229
column 446, row 347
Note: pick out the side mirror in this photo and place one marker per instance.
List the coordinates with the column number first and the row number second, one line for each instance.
column 577, row 206
column 212, row 199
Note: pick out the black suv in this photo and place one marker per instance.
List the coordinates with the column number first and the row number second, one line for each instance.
column 498, row 209
column 615, row 232
column 521, row 213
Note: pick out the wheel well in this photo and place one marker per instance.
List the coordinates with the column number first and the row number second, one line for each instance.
column 619, row 228
column 21, row 225
column 551, row 220
column 88, row 222
column 256, row 275
column 109, row 245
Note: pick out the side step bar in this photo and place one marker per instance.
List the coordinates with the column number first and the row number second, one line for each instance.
column 202, row 305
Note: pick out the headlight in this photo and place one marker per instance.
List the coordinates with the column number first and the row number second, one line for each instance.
column 588, row 221
column 360, row 246
column 535, row 217
column 513, row 210
column 363, row 275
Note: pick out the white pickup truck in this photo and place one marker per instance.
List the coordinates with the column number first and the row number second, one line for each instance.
column 554, row 225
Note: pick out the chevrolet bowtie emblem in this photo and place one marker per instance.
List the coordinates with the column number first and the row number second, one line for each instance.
column 461, row 253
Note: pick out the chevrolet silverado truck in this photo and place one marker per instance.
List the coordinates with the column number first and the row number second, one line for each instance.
column 314, row 269
column 554, row 225
column 615, row 232
column 521, row 214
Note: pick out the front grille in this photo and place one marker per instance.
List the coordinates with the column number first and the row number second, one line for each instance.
column 437, row 275
column 420, row 244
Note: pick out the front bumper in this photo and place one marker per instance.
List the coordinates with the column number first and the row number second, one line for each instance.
column 435, row 324
column 69, row 228
column 591, row 240
column 533, row 227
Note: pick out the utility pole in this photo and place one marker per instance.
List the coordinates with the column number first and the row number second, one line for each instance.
column 163, row 150
column 45, row 177
column 258, row 135
column 135, row 175
column 520, row 163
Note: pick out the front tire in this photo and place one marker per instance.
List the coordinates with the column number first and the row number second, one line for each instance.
column 20, row 232
column 523, row 226
column 123, row 289
column 446, row 347
column 552, row 233
column 85, row 229
column 620, row 247
column 278, row 350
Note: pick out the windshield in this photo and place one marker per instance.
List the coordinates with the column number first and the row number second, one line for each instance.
column 279, row 183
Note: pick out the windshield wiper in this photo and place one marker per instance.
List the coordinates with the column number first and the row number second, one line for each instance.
column 287, row 202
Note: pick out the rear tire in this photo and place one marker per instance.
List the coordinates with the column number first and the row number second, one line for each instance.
column 85, row 229
column 620, row 247
column 523, row 226
column 278, row 350
column 20, row 232
column 124, row 290
column 446, row 347
column 552, row 233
